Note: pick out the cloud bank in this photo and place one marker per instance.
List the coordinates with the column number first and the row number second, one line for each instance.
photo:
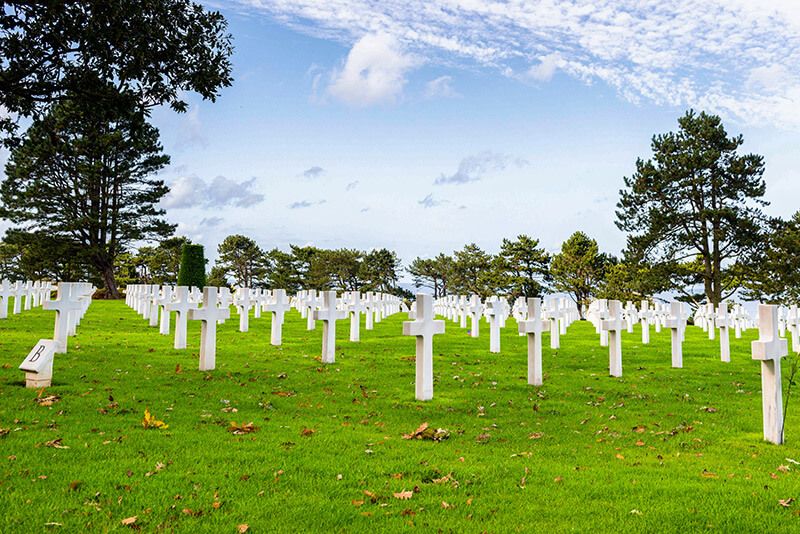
column 740, row 58
column 194, row 192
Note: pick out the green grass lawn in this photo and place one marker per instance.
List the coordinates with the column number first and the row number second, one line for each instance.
column 660, row 449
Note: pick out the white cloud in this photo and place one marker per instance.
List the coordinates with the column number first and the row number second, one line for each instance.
column 194, row 192
column 544, row 70
column 430, row 202
column 373, row 73
column 352, row 185
column 313, row 172
column 441, row 87
column 473, row 168
column 669, row 52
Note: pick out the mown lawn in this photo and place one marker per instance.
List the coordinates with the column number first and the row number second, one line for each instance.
column 660, row 449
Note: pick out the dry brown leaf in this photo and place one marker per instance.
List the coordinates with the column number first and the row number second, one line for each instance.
column 241, row 529
column 129, row 520
column 618, row 456
column 403, row 495
column 307, row 432
column 56, row 444
column 417, row 432
column 244, row 428
column 535, row 435
column 783, row 468
column 786, row 503
column 47, row 401
column 446, row 505
column 639, row 429
column 708, row 474
column 178, row 369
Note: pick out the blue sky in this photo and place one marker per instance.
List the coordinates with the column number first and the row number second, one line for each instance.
column 345, row 114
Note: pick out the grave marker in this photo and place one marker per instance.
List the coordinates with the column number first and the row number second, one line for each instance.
column 424, row 327
column 769, row 349
column 209, row 314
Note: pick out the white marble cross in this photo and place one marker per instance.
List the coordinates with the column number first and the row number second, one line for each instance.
column 181, row 306
column 369, row 310
column 475, row 309
column 769, row 349
column 553, row 315
column 278, row 307
column 18, row 290
column 677, row 324
column 155, row 291
column 355, row 307
column 209, row 314
column 5, row 293
column 424, row 327
column 496, row 317
column 710, row 316
column 644, row 317
column 328, row 314
column 630, row 316
column 243, row 303
column 27, row 293
column 533, row 327
column 67, row 303
column 602, row 313
column 311, row 303
column 613, row 325
column 723, row 323
column 166, row 298
column 794, row 327
column 224, row 299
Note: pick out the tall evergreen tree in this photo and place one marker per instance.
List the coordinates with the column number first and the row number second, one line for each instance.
column 152, row 51
column 697, row 198
column 84, row 174
column 579, row 269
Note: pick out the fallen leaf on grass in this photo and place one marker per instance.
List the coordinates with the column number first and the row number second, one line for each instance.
column 483, row 438
column 708, row 474
column 784, row 468
column 241, row 529
column 129, row 520
column 535, row 435
column 75, row 484
column 425, row 432
column 403, row 495
column 639, row 429
column 178, row 369
column 189, row 511
column 49, row 400
column 786, row 503
column 445, row 479
column 243, row 428
column 446, row 505
column 284, row 393
column 619, row 457
column 56, row 444
column 150, row 421
column 4, row 432
column 307, row 432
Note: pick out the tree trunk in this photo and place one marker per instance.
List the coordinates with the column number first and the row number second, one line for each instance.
column 110, row 282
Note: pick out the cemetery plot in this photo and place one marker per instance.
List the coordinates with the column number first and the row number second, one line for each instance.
column 131, row 430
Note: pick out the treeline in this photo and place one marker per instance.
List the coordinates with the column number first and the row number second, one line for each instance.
column 241, row 262
column 523, row 268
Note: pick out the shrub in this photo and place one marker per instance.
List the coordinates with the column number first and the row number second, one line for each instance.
column 193, row 266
